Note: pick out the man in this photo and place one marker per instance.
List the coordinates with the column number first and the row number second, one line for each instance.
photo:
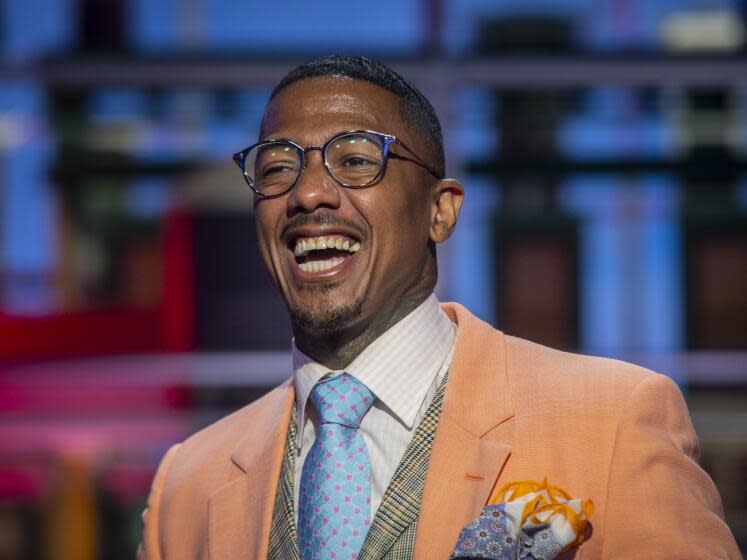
column 402, row 417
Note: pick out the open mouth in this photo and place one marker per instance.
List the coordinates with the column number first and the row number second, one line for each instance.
column 323, row 253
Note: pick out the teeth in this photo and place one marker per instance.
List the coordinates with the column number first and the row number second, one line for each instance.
column 303, row 246
column 321, row 266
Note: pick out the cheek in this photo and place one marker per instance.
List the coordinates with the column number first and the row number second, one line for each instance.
column 402, row 224
column 412, row 214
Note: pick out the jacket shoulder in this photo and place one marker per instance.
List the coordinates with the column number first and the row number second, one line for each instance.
column 561, row 376
column 538, row 374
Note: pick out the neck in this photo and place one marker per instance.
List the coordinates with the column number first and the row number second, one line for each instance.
column 337, row 350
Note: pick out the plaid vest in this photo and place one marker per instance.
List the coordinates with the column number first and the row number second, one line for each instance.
column 392, row 532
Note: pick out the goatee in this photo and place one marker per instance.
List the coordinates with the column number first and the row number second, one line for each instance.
column 328, row 318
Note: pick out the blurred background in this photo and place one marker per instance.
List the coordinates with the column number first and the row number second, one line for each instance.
column 602, row 143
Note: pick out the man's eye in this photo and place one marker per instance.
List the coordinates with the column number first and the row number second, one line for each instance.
column 278, row 168
column 357, row 161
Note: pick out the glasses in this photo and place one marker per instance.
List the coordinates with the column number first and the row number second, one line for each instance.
column 355, row 160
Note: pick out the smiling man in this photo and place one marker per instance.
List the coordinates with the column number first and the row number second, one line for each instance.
column 403, row 418
column 367, row 191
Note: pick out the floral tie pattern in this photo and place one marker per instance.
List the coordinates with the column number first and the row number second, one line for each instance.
column 335, row 494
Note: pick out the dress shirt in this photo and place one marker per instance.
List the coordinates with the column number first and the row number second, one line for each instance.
column 403, row 369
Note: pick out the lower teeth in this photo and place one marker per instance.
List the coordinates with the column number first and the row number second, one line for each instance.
column 319, row 266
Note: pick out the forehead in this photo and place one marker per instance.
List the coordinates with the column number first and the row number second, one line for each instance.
column 313, row 109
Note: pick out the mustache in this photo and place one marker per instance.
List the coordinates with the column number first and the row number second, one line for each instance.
column 318, row 218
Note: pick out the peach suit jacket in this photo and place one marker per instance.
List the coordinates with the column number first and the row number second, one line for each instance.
column 513, row 410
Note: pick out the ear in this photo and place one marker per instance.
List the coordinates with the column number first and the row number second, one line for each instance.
column 448, row 195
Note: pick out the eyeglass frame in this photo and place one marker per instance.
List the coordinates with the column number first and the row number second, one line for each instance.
column 386, row 139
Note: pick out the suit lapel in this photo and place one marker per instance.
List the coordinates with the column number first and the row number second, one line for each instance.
column 465, row 464
column 240, row 513
column 283, row 539
column 455, row 490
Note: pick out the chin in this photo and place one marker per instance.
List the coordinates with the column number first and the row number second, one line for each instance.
column 326, row 317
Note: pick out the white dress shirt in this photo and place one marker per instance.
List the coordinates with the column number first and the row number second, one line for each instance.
column 402, row 368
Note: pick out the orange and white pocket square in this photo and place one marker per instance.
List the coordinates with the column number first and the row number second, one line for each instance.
column 525, row 520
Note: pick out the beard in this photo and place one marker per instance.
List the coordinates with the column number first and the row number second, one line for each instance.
column 326, row 317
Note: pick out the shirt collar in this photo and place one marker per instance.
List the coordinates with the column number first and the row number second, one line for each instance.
column 398, row 367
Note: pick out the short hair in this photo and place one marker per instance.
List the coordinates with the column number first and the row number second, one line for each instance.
column 415, row 109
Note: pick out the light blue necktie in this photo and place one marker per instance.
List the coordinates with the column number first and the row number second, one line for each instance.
column 335, row 495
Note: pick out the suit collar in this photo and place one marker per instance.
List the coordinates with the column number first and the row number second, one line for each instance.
column 466, row 460
column 479, row 396
column 268, row 429
column 240, row 512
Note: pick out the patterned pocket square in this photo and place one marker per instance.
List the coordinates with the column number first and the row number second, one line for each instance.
column 525, row 520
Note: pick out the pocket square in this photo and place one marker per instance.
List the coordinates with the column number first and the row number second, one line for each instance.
column 525, row 520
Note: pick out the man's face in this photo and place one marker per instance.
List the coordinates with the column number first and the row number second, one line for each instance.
column 376, row 238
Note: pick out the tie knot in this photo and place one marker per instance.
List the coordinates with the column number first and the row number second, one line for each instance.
column 341, row 400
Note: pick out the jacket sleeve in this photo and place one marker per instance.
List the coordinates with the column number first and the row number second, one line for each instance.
column 660, row 503
column 150, row 548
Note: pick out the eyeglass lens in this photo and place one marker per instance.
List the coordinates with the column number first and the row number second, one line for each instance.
column 353, row 159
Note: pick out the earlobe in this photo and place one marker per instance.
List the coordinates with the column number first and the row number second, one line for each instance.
column 447, row 201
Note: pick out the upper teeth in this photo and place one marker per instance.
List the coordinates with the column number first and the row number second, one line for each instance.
column 303, row 246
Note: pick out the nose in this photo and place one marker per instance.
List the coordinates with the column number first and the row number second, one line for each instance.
column 315, row 187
